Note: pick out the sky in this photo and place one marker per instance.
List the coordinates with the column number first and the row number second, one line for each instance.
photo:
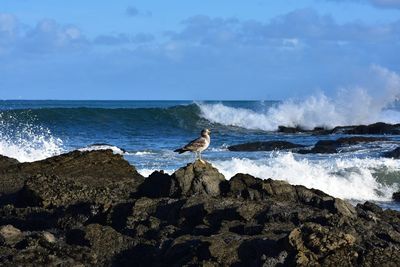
column 193, row 50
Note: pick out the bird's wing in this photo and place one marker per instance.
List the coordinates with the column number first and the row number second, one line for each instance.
column 196, row 144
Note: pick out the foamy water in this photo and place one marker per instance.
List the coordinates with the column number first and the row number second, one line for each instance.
column 343, row 178
column 115, row 149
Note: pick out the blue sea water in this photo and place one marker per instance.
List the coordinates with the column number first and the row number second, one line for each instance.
column 149, row 131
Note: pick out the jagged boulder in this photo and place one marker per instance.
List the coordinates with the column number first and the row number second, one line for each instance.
column 95, row 176
column 159, row 184
column 312, row 243
column 6, row 162
column 248, row 187
column 55, row 191
column 198, row 178
column 93, row 168
column 10, row 234
column 104, row 241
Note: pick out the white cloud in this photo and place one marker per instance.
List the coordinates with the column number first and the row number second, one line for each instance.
column 377, row 3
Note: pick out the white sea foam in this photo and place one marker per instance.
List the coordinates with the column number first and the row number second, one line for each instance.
column 142, row 153
column 350, row 106
column 26, row 142
column 115, row 149
column 344, row 178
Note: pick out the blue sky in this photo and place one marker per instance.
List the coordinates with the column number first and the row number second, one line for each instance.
column 209, row 49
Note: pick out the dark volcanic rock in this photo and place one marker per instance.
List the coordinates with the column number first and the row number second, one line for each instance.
column 293, row 130
column 159, row 184
column 199, row 179
column 54, row 191
column 376, row 128
column 6, row 162
column 193, row 217
column 264, row 146
column 196, row 178
column 393, row 154
column 333, row 146
column 94, row 169
column 10, row 234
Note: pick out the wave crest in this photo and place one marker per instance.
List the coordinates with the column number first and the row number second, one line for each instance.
column 350, row 106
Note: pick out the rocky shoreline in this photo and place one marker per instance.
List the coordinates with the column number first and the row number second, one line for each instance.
column 94, row 209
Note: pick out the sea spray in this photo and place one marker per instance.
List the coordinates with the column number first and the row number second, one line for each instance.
column 25, row 141
column 351, row 106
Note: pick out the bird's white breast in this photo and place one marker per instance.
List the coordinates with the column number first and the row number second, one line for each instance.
column 206, row 145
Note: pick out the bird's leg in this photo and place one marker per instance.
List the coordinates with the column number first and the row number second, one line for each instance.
column 196, row 156
column 202, row 161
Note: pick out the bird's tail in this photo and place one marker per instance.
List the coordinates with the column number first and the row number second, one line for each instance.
column 180, row 150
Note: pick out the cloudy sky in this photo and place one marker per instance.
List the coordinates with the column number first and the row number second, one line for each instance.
column 179, row 49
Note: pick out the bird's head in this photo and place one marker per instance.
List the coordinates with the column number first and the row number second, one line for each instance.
column 205, row 132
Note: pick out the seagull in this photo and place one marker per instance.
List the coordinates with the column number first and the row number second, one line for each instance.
column 198, row 145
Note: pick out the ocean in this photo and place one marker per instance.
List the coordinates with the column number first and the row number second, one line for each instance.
column 147, row 132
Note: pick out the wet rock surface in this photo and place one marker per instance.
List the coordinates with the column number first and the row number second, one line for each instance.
column 264, row 146
column 376, row 128
column 111, row 216
column 100, row 170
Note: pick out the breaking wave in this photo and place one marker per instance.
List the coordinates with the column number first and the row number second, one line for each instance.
column 26, row 141
column 351, row 106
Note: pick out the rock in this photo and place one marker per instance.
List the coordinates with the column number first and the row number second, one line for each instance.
column 323, row 147
column 196, row 178
column 105, row 241
column 95, row 176
column 49, row 237
column 393, row 154
column 186, row 251
column 264, row 146
column 333, row 146
column 192, row 217
column 159, row 184
column 293, row 130
column 6, row 162
column 10, row 234
column 54, row 191
column 376, row 128
column 92, row 168
column 312, row 243
column 199, row 179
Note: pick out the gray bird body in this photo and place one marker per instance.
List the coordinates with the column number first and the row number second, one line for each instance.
column 197, row 145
